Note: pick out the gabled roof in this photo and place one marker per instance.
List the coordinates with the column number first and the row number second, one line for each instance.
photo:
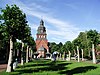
column 41, row 48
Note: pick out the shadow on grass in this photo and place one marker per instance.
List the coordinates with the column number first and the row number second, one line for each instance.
column 35, row 63
column 41, row 63
column 78, row 70
column 52, row 66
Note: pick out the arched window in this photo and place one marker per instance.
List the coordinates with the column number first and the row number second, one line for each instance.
column 39, row 36
column 44, row 36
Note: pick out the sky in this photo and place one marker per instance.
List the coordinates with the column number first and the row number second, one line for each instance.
column 63, row 19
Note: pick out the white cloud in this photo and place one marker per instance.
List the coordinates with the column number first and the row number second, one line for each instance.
column 64, row 30
column 73, row 6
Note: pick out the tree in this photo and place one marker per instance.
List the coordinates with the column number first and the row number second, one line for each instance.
column 16, row 26
column 3, row 42
column 68, row 45
column 52, row 47
column 83, row 42
column 60, row 49
column 92, row 35
column 69, row 49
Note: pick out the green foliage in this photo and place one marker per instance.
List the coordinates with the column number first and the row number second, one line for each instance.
column 68, row 46
column 56, row 47
column 98, row 48
column 85, row 40
column 15, row 22
column 3, row 42
column 92, row 35
column 53, row 46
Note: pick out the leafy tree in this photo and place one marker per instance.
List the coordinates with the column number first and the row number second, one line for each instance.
column 92, row 35
column 52, row 46
column 60, row 49
column 16, row 26
column 85, row 41
column 68, row 45
column 3, row 42
column 69, row 49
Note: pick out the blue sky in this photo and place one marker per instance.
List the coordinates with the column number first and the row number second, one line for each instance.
column 64, row 19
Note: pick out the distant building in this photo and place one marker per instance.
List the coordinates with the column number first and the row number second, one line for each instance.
column 41, row 41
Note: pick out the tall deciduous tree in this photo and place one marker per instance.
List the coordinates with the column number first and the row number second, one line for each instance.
column 69, row 48
column 16, row 26
column 93, row 37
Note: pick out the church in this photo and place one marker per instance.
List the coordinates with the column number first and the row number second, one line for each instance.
column 41, row 41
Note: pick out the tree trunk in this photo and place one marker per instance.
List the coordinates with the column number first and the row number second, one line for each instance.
column 64, row 57
column 93, row 54
column 60, row 56
column 69, row 55
column 31, row 54
column 27, row 54
column 10, row 60
column 57, row 57
column 75, row 55
column 22, row 58
column 78, row 54
column 82, row 55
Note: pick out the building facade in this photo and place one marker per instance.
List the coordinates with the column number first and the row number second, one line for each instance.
column 41, row 40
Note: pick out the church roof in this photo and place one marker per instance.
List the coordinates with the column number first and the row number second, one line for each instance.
column 41, row 48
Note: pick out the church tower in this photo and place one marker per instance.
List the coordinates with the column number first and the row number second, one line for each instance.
column 41, row 40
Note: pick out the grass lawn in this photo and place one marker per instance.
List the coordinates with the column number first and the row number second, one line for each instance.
column 47, row 67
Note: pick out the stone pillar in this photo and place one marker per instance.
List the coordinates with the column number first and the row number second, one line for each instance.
column 93, row 54
column 78, row 54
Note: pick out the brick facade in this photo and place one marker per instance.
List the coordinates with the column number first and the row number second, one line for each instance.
column 41, row 41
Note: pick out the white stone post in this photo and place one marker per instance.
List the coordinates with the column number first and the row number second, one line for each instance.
column 93, row 54
column 78, row 54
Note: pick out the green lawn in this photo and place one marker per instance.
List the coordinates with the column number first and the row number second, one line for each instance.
column 47, row 67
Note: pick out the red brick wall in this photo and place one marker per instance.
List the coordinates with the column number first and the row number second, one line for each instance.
column 43, row 43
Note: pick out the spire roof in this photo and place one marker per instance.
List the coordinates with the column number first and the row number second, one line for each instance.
column 41, row 23
column 41, row 28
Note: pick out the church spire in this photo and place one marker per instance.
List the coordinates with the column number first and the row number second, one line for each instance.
column 41, row 28
column 41, row 23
